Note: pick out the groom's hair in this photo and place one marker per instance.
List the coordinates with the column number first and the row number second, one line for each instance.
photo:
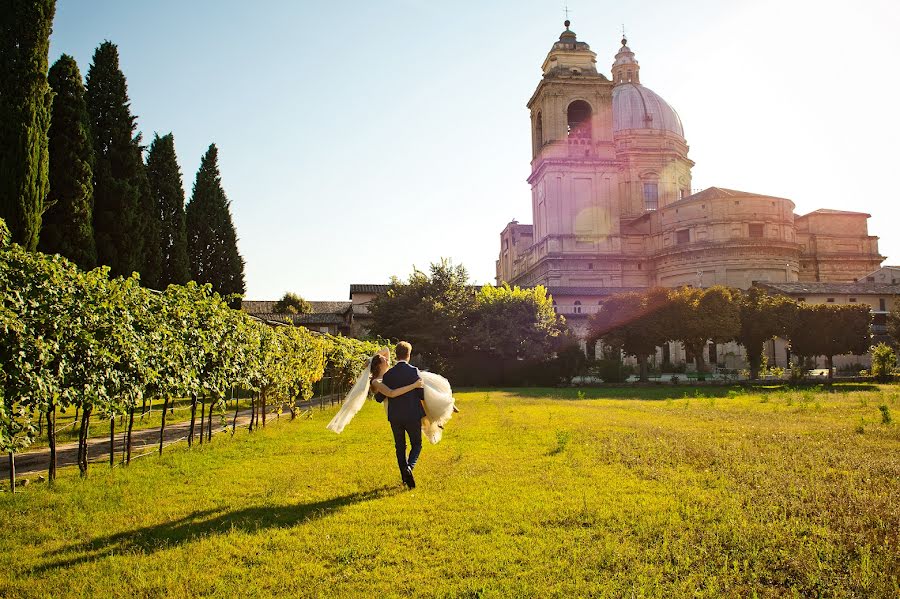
column 403, row 350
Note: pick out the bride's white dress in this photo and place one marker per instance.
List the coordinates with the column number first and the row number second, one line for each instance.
column 438, row 404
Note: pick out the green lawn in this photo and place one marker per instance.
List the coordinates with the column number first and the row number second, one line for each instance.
column 533, row 493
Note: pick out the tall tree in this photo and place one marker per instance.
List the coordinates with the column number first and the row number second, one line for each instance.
column 167, row 192
column 829, row 330
column 67, row 228
column 429, row 310
column 212, row 240
column 118, row 168
column 763, row 317
column 25, row 107
column 635, row 322
column 702, row 315
column 148, row 223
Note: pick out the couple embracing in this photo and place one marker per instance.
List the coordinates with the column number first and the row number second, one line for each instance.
column 417, row 403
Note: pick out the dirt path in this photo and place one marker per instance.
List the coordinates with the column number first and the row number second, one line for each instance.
column 143, row 442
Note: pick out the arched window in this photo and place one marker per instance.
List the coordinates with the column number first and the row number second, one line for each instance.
column 577, row 309
column 538, row 132
column 579, row 119
column 555, row 309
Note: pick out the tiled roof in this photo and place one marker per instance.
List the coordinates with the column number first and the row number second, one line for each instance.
column 818, row 288
column 268, row 307
column 830, row 211
column 711, row 193
column 368, row 288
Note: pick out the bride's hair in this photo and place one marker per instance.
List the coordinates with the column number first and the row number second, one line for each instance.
column 375, row 365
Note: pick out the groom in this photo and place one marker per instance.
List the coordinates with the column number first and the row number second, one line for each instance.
column 405, row 412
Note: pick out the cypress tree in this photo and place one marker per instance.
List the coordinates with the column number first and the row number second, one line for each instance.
column 118, row 167
column 67, row 228
column 167, row 191
column 148, row 225
column 25, row 106
column 212, row 240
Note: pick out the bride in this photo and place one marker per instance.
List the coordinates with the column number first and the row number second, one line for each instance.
column 439, row 402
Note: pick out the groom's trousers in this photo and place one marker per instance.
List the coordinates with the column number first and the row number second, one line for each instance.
column 402, row 428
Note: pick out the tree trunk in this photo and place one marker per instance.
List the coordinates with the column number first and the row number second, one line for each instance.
column 642, row 368
column 830, row 362
column 128, row 442
column 237, row 406
column 252, row 410
column 112, row 441
column 144, row 407
column 263, row 407
column 754, row 357
column 162, row 427
column 193, row 419
column 202, row 419
column 12, row 472
column 75, row 421
column 82, row 441
column 51, row 438
column 40, row 423
column 209, row 428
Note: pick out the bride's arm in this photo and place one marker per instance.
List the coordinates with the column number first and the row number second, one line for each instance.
column 388, row 392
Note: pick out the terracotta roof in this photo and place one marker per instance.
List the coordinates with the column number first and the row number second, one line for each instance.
column 268, row 307
column 830, row 211
column 819, row 288
column 368, row 288
column 711, row 193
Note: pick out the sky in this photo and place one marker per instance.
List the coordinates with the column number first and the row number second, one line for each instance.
column 360, row 139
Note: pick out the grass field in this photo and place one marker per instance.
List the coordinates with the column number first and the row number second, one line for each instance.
column 532, row 493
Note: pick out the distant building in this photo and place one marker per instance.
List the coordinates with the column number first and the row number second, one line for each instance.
column 885, row 274
column 326, row 317
column 613, row 209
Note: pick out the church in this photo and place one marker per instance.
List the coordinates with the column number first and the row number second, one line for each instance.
column 613, row 209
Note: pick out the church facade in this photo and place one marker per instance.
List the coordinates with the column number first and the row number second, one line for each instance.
column 613, row 209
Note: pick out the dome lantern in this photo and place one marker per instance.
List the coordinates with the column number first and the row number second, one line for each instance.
column 626, row 69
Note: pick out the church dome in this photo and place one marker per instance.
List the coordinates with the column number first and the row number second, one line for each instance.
column 638, row 107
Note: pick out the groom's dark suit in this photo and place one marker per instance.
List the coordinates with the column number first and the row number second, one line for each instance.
column 405, row 413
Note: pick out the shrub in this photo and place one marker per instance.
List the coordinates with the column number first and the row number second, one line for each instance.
column 883, row 361
column 885, row 414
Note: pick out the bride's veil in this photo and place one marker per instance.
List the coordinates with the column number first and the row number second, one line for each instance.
column 354, row 401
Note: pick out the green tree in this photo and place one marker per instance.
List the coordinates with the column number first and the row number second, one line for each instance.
column 428, row 310
column 763, row 317
column 884, row 359
column 512, row 323
column 149, row 224
column 118, row 166
column 67, row 226
column 167, row 193
column 829, row 330
column 291, row 303
column 635, row 322
column 212, row 240
column 893, row 323
column 703, row 315
column 25, row 109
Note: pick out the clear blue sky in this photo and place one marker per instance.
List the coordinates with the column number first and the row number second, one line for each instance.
column 357, row 139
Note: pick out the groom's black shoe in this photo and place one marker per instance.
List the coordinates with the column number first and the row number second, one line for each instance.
column 409, row 479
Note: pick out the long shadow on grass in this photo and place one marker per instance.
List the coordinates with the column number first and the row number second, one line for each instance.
column 205, row 523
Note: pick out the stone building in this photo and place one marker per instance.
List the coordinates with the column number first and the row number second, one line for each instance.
column 335, row 318
column 613, row 209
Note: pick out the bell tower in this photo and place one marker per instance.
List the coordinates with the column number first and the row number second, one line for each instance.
column 574, row 176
